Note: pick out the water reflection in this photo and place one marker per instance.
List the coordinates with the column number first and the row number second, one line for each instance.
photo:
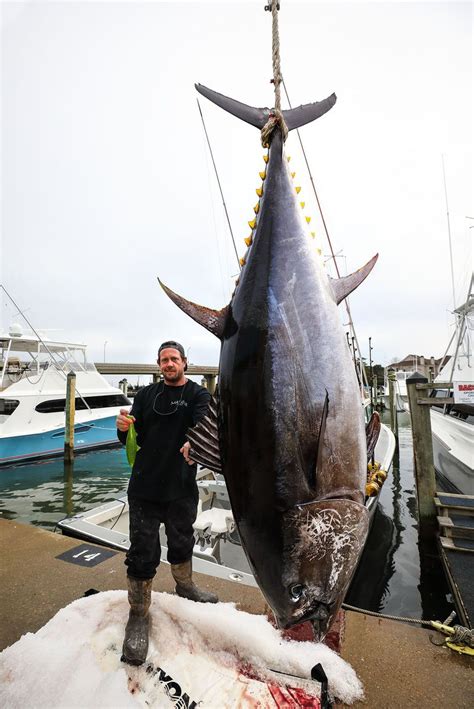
column 395, row 575
column 44, row 492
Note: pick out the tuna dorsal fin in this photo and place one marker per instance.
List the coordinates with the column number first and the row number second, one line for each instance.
column 342, row 287
column 322, row 428
column 204, row 440
column 294, row 117
column 212, row 320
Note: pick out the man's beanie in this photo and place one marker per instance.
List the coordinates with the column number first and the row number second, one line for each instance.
column 174, row 345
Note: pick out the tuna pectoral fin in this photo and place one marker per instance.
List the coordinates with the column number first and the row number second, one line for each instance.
column 294, row 117
column 212, row 320
column 372, row 432
column 342, row 287
column 204, row 440
column 322, row 428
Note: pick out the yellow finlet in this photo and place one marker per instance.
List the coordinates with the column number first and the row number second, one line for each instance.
column 259, row 191
column 288, row 157
column 253, row 224
column 292, row 174
column 298, row 190
column 242, row 261
column 256, row 208
column 302, row 204
column 308, row 219
column 248, row 240
column 319, row 251
column 263, row 174
column 265, row 157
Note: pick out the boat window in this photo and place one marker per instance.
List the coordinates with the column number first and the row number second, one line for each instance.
column 8, row 406
column 401, row 376
column 464, row 412
column 95, row 402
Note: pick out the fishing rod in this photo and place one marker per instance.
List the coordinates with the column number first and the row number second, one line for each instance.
column 219, row 183
column 40, row 339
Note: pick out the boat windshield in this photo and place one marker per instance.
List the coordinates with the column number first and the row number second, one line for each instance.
column 24, row 356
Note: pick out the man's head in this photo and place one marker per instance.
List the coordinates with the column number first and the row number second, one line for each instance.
column 172, row 362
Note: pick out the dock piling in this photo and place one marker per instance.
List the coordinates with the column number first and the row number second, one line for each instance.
column 392, row 397
column 423, row 456
column 70, row 414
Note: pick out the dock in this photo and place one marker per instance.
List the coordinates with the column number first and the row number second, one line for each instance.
column 456, row 544
column 396, row 662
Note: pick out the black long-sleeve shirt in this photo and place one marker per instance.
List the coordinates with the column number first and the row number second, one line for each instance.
column 163, row 414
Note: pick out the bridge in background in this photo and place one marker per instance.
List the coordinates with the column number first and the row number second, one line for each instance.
column 128, row 368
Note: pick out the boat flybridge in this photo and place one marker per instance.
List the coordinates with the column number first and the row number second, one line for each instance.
column 33, row 377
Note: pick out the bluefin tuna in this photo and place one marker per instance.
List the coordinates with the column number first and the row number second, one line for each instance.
column 287, row 426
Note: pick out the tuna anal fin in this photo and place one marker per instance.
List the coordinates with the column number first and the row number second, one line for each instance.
column 204, row 440
column 342, row 287
column 212, row 320
column 372, row 432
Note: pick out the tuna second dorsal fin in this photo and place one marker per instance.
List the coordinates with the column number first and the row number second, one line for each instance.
column 212, row 320
column 342, row 287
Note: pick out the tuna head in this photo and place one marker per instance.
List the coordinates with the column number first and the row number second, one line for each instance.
column 322, row 543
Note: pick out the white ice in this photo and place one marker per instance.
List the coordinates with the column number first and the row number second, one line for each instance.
column 74, row 660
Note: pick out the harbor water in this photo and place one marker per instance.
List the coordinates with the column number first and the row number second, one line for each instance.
column 391, row 577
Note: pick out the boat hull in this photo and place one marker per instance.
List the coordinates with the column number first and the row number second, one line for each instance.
column 98, row 433
column 453, row 453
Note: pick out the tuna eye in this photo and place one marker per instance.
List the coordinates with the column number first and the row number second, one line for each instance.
column 296, row 591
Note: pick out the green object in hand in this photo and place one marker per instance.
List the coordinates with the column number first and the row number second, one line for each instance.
column 131, row 445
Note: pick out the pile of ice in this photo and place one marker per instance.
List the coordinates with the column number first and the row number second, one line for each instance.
column 211, row 655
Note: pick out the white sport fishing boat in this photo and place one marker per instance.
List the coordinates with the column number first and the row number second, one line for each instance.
column 453, row 424
column 217, row 551
column 33, row 376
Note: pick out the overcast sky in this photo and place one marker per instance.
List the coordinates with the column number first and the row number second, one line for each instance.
column 107, row 180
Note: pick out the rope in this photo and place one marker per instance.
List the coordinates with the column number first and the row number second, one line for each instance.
column 275, row 118
column 346, row 606
column 457, row 635
column 462, row 636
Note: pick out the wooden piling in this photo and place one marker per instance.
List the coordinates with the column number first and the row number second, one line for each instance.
column 211, row 383
column 423, row 456
column 375, row 388
column 392, row 398
column 70, row 414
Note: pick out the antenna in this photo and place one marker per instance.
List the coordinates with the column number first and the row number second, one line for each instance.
column 449, row 233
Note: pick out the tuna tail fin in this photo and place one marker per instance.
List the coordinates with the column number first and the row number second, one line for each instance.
column 294, row 117
column 212, row 320
column 342, row 287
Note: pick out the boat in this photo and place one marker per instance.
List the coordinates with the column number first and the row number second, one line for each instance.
column 453, row 424
column 217, row 550
column 33, row 377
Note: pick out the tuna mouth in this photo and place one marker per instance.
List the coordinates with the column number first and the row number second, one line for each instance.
column 319, row 615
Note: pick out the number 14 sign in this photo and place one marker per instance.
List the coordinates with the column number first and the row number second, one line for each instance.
column 86, row 555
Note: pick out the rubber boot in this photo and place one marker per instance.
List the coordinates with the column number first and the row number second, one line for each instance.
column 186, row 588
column 135, row 644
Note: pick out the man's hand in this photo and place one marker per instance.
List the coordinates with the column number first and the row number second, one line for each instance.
column 124, row 420
column 185, row 451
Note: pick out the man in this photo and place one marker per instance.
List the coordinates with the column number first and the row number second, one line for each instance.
column 162, row 489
